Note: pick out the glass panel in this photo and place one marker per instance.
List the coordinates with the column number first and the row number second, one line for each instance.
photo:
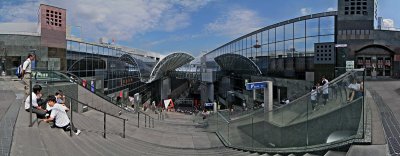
column 280, row 49
column 280, row 34
column 289, row 48
column 69, row 45
column 272, row 52
column 299, row 29
column 95, row 49
column 271, row 35
column 89, row 49
column 264, row 39
column 327, row 25
column 82, row 47
column 75, row 46
column 299, row 123
column 310, row 45
column 299, row 46
column 312, row 27
column 329, row 38
column 289, row 31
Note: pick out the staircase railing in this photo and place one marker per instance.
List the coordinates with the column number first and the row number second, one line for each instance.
column 73, row 103
column 304, row 125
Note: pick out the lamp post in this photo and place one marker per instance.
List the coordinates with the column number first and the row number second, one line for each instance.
column 256, row 46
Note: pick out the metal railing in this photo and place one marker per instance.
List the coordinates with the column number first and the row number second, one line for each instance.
column 71, row 105
column 148, row 120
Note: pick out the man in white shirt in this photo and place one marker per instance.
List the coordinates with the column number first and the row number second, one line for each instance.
column 59, row 116
column 36, row 94
column 27, row 71
column 325, row 89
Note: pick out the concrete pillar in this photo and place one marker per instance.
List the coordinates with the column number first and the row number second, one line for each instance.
column 210, row 90
column 268, row 103
column 165, row 88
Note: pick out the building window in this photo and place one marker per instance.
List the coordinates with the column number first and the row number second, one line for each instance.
column 53, row 18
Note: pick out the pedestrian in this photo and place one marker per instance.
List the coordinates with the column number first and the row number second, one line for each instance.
column 27, row 72
column 313, row 98
column 325, row 89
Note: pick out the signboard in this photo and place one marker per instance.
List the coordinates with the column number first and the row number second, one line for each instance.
column 341, row 45
column 208, row 104
column 349, row 65
column 255, row 85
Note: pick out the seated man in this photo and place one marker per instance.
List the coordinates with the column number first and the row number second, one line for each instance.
column 36, row 94
column 59, row 116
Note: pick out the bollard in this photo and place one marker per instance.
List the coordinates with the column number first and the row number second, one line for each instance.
column 123, row 133
column 104, row 125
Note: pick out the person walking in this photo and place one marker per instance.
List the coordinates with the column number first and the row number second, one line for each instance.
column 313, row 98
column 325, row 89
column 27, row 72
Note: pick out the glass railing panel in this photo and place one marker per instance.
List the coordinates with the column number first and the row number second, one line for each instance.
column 293, row 126
column 333, row 114
column 241, row 132
column 223, row 127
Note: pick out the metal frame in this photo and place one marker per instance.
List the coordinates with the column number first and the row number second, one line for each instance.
column 169, row 63
column 229, row 61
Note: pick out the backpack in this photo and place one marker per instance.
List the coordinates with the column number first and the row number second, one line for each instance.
column 18, row 71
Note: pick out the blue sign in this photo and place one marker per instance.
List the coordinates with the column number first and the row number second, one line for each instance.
column 256, row 85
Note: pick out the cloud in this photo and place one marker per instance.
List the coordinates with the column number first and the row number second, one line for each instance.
column 331, row 9
column 25, row 12
column 235, row 22
column 121, row 20
column 305, row 11
column 388, row 24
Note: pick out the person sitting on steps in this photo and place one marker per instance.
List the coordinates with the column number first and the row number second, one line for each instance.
column 36, row 108
column 59, row 116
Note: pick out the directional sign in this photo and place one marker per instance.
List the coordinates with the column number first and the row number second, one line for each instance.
column 255, row 85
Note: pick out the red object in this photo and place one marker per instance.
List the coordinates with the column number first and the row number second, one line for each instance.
column 120, row 93
column 84, row 83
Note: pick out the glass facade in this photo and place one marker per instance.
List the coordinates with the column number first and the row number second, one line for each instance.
column 282, row 44
column 104, row 66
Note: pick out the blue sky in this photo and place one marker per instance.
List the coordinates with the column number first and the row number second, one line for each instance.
column 166, row 26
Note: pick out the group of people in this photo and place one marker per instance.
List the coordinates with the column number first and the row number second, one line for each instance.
column 52, row 109
column 316, row 91
column 355, row 91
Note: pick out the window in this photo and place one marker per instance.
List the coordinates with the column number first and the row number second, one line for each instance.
column 312, row 27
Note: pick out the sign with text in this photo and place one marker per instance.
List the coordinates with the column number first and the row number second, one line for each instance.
column 256, row 85
column 349, row 65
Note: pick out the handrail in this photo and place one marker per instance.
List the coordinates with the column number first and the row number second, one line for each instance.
column 145, row 119
column 226, row 120
column 79, row 83
column 333, row 82
column 90, row 106
column 286, row 119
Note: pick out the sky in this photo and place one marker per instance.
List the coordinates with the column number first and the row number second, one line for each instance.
column 165, row 26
